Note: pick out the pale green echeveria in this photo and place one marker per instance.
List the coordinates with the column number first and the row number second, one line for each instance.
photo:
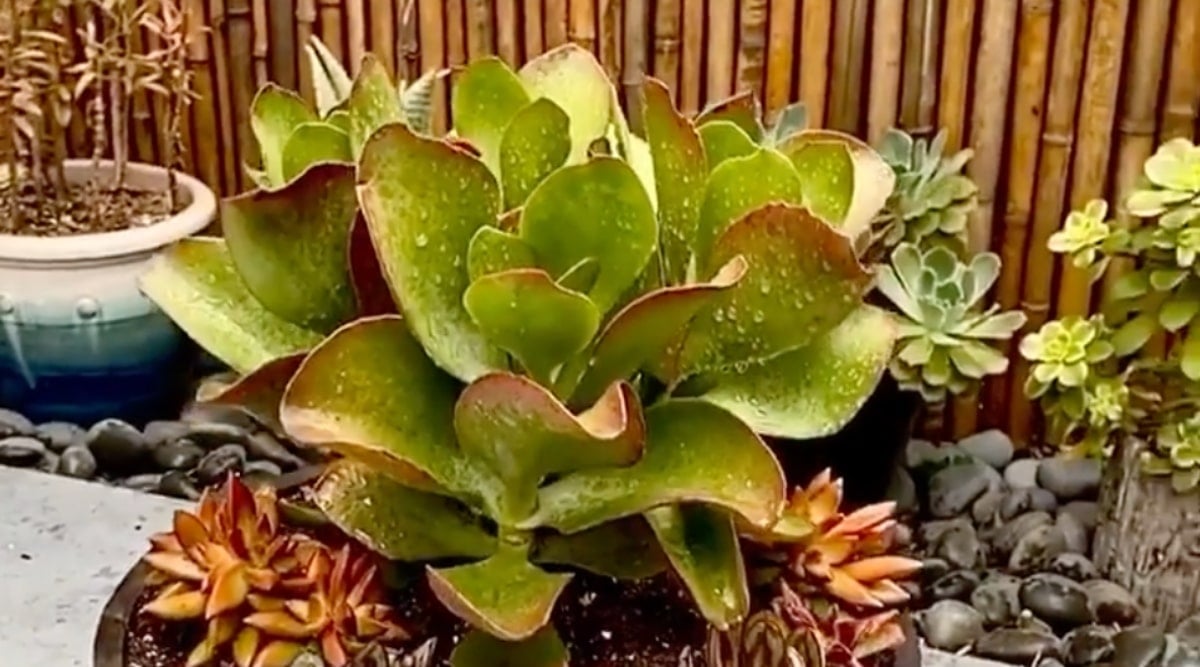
column 1083, row 233
column 1176, row 453
column 932, row 199
column 1062, row 351
column 945, row 339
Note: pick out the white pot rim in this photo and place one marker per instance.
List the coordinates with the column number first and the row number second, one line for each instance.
column 194, row 217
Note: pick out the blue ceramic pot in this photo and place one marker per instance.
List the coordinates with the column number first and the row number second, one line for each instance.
column 78, row 340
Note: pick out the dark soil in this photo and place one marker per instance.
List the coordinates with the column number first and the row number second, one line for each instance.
column 84, row 210
column 603, row 622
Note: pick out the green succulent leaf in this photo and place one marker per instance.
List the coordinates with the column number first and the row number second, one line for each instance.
column 290, row 245
column 398, row 521
column 737, row 187
column 504, row 595
column 527, row 314
column 803, row 279
column 680, row 173
column 1181, row 308
column 845, row 182
column 311, row 143
column 368, row 392
column 536, row 142
column 416, row 99
column 371, row 290
column 487, row 97
column 1132, row 335
column 703, row 548
column 644, row 330
column 422, row 228
column 479, row 649
column 494, row 251
column 570, row 76
column 623, row 549
column 724, row 141
column 196, row 284
column 372, row 104
column 524, row 434
column 275, row 114
column 695, row 452
column 582, row 276
column 1189, row 353
column 1185, row 481
column 331, row 83
column 742, row 110
column 815, row 390
column 259, row 392
column 594, row 210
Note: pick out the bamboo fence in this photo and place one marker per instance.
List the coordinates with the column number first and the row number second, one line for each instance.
column 1061, row 100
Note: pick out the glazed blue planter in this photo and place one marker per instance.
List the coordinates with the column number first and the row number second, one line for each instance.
column 78, row 340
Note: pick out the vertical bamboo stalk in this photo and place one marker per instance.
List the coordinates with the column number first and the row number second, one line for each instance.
column 752, row 46
column 781, row 32
column 383, row 20
column 1097, row 117
column 720, row 46
column 884, row 92
column 1054, row 161
column 608, row 18
column 356, row 34
column 241, row 85
column 925, row 122
column 508, row 38
column 285, row 55
column 1033, row 50
column 691, row 82
column 633, row 71
column 666, row 43
column 957, row 51
column 532, row 16
column 557, row 22
column 208, row 167
column 329, row 12
column 261, row 43
column 407, row 41
column 582, row 29
column 480, row 39
column 1183, row 79
column 813, row 53
column 914, row 45
column 433, row 55
column 230, row 165
column 849, row 45
column 456, row 43
column 306, row 19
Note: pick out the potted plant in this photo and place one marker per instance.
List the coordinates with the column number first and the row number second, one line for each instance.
column 1122, row 384
column 596, row 328
column 79, row 341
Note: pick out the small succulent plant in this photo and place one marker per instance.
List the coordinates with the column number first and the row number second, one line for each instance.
column 932, row 199
column 1177, row 454
column 945, row 341
column 596, row 330
column 846, row 639
column 765, row 639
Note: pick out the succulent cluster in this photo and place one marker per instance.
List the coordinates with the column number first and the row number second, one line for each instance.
column 596, row 328
column 944, row 337
column 262, row 591
column 1096, row 378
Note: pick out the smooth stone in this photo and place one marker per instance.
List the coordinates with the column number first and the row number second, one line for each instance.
column 1138, row 647
column 77, row 461
column 918, row 452
column 1016, row 502
column 1016, row 646
column 1188, row 632
column 59, row 435
column 1037, row 547
column 1027, row 621
column 21, row 450
column 993, row 447
column 1022, row 473
column 210, row 413
column 211, row 435
column 117, row 446
column 950, row 624
column 1074, row 532
column 14, row 423
column 1049, row 662
column 257, row 473
column 1111, row 603
column 49, row 463
column 182, row 454
column 902, row 536
column 902, row 490
column 954, row 488
column 933, row 569
column 1181, row 656
column 1088, row 644
column 998, row 601
column 930, row 532
column 147, row 482
column 986, row 507
column 164, row 431
column 960, row 547
column 1042, row 500
column 1056, row 599
column 1086, row 511
column 176, row 483
column 1073, row 566
column 218, row 463
column 263, row 445
column 1005, row 539
column 1070, row 479
column 957, row 585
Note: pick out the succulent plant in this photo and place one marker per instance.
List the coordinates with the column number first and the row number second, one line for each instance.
column 1173, row 187
column 846, row 639
column 765, row 639
column 1083, row 233
column 944, row 340
column 932, row 199
column 591, row 340
column 1062, row 352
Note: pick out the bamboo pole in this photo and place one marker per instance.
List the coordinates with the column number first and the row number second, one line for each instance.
column 408, row 41
column 926, row 120
column 1033, row 51
column 582, row 29
column 384, row 20
column 480, row 39
column 691, row 88
column 241, row 86
column 1179, row 112
column 306, row 19
column 285, row 61
column 261, row 44
column 910, row 81
column 720, row 47
column 508, row 37
column 203, row 115
column 781, row 32
column 993, row 76
column 557, row 22
column 329, row 12
column 666, row 43
column 816, row 19
column 633, row 71
column 1093, row 139
column 847, row 65
column 531, row 16
column 433, row 55
column 957, row 52
column 230, row 171
column 608, row 20
column 752, row 46
column 356, row 34
column 886, row 46
column 456, row 46
column 1053, row 167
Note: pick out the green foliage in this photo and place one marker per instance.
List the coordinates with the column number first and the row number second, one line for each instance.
column 945, row 341
column 588, row 350
column 1095, row 377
